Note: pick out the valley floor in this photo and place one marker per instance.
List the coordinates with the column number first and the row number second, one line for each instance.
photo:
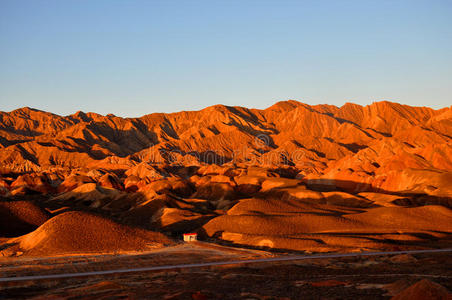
column 374, row 277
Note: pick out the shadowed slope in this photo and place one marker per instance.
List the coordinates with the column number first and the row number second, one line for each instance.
column 20, row 217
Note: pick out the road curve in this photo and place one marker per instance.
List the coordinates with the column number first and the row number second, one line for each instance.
column 219, row 263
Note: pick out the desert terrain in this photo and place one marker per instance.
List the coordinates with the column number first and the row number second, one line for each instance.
column 404, row 276
column 90, row 192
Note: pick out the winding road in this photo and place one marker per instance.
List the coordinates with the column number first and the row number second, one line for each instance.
column 219, row 263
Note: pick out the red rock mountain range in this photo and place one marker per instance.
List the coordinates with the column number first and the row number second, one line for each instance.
column 292, row 176
column 384, row 145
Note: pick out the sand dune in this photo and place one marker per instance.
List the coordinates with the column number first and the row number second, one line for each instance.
column 424, row 289
column 79, row 232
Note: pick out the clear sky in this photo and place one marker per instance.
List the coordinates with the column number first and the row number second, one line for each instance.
column 136, row 57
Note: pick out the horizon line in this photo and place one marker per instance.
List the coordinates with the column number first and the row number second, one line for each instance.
column 221, row 105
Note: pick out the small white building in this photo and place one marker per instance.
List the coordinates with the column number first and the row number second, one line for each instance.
column 190, row 237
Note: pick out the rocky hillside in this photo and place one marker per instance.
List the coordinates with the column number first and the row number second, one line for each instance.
column 370, row 145
column 292, row 176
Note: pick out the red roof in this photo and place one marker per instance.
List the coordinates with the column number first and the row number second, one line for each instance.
column 190, row 234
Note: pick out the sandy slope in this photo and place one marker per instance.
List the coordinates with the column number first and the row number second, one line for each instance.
column 78, row 232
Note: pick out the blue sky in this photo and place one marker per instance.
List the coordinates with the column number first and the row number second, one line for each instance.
column 136, row 57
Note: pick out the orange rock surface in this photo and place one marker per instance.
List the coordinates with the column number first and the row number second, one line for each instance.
column 292, row 176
